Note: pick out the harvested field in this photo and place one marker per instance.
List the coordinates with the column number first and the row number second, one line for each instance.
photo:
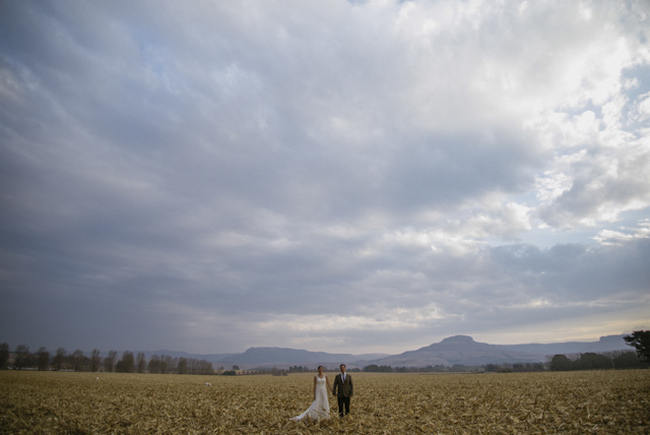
column 567, row 402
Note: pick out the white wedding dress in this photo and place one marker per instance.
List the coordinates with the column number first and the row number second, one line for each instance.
column 320, row 407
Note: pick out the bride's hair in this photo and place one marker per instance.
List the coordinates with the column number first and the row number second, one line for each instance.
column 320, row 367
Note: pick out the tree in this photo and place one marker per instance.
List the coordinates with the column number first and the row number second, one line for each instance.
column 109, row 361
column 518, row 367
column 627, row 360
column 561, row 362
column 167, row 364
column 43, row 359
column 641, row 341
column 154, row 364
column 141, row 362
column 4, row 356
column 59, row 359
column 592, row 361
column 181, row 368
column 23, row 357
column 278, row 372
column 235, row 367
column 127, row 363
column 78, row 360
column 207, row 369
column 376, row 368
column 95, row 360
column 202, row 367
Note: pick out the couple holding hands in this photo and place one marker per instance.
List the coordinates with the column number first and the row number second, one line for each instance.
column 343, row 390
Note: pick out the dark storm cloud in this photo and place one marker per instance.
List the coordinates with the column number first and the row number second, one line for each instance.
column 207, row 176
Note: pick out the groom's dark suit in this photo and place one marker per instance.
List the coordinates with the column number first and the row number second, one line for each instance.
column 343, row 389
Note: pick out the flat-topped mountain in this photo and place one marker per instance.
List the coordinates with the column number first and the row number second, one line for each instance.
column 604, row 344
column 462, row 349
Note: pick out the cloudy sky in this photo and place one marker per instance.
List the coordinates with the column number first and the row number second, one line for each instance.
column 330, row 175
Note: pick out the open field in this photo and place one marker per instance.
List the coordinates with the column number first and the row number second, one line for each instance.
column 568, row 402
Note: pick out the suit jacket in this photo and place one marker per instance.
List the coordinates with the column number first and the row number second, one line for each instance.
column 343, row 389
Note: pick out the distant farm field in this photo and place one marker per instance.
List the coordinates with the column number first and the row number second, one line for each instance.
column 567, row 402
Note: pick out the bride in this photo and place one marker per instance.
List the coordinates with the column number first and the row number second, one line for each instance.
column 320, row 407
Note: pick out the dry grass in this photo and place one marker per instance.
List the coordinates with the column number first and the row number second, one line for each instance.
column 572, row 402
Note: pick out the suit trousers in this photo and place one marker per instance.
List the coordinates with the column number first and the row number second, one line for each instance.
column 343, row 402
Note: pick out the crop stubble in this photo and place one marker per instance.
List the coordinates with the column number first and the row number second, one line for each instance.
column 567, row 402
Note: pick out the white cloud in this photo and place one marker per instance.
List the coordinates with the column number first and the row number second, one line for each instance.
column 642, row 108
column 624, row 234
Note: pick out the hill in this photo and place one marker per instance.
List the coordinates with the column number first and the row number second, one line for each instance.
column 459, row 349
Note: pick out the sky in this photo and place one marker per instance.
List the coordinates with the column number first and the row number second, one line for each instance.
column 366, row 176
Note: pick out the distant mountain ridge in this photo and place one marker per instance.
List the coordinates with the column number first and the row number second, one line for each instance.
column 458, row 349
column 278, row 356
column 462, row 349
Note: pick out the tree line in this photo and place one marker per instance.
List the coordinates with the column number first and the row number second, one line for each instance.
column 78, row 361
column 94, row 362
column 640, row 340
column 585, row 361
column 598, row 361
column 456, row 368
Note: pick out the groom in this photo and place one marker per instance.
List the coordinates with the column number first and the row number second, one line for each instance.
column 343, row 390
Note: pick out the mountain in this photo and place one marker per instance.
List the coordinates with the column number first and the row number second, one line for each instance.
column 212, row 357
column 459, row 349
column 284, row 357
column 604, row 344
column 462, row 349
